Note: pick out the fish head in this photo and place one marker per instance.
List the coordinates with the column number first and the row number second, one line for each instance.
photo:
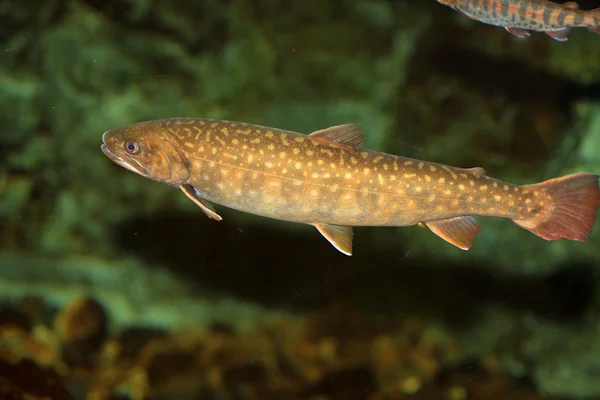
column 146, row 150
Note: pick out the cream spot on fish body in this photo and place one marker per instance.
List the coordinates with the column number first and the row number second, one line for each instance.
column 377, row 159
column 483, row 188
column 283, row 138
column 250, row 158
column 255, row 141
column 516, row 189
column 296, row 151
column 261, row 151
column 334, row 188
column 431, row 198
column 214, row 124
column 535, row 193
column 527, row 201
column 284, row 171
column 314, row 192
column 380, row 178
column 432, row 168
column 495, row 184
column 269, row 164
column 327, row 175
column 271, row 147
column 447, row 192
column 310, row 164
column 427, row 178
column 366, row 171
column 333, row 166
column 315, row 175
column 235, row 141
column 320, row 162
column 353, row 160
column 461, row 186
column 505, row 188
column 484, row 199
column 408, row 162
column 541, row 204
column 421, row 165
column 269, row 134
column 525, row 192
column 190, row 145
column 364, row 154
column 393, row 178
column 442, row 180
column 497, row 198
column 470, row 198
column 213, row 150
column 471, row 182
column 298, row 165
column 385, row 167
column 309, row 153
column 348, row 175
column 282, row 155
column 418, row 188
column 407, row 176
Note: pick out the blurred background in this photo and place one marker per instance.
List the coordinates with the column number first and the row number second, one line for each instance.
column 116, row 287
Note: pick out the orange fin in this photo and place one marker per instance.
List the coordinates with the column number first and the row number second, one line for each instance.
column 347, row 135
column 575, row 200
column 205, row 206
column 458, row 231
column 339, row 236
column 518, row 32
column 560, row 35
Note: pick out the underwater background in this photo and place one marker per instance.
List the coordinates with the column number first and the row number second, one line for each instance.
column 116, row 287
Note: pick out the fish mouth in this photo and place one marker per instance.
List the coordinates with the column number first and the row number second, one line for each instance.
column 129, row 164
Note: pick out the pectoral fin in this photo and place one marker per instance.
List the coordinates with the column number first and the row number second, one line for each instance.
column 339, row 236
column 347, row 135
column 458, row 231
column 205, row 206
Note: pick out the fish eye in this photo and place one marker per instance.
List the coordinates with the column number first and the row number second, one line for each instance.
column 132, row 147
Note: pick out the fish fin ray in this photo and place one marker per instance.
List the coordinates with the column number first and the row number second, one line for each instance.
column 204, row 205
column 459, row 231
column 561, row 35
column 575, row 201
column 518, row 32
column 339, row 236
column 347, row 134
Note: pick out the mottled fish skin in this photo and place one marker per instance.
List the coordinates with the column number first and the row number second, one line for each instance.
column 520, row 16
column 303, row 178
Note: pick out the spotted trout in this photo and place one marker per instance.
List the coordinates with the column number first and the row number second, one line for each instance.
column 521, row 16
column 327, row 180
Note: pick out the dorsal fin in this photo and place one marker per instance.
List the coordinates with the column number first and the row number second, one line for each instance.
column 347, row 134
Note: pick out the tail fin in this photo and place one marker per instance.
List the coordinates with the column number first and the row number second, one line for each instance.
column 572, row 212
column 595, row 16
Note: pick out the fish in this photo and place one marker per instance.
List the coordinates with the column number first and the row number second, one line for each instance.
column 328, row 180
column 519, row 17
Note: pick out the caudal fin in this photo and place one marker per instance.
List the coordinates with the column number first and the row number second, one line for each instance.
column 595, row 20
column 572, row 212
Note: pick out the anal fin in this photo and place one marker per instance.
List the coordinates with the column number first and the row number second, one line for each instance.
column 518, row 32
column 205, row 206
column 458, row 231
column 560, row 35
column 339, row 236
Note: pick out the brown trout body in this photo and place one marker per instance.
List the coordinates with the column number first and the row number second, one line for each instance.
column 521, row 16
column 325, row 179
